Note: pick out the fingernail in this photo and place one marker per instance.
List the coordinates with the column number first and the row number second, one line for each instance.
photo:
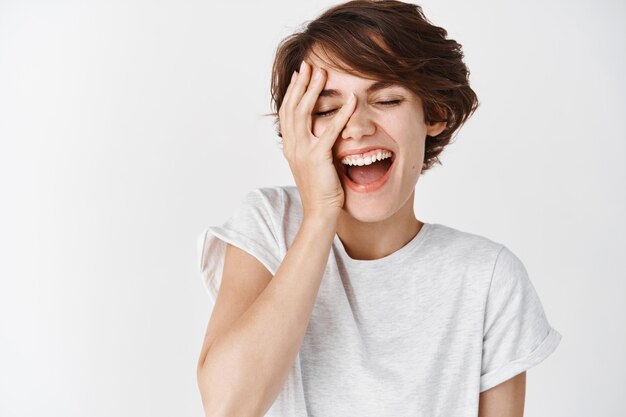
column 302, row 66
column 317, row 74
column 352, row 98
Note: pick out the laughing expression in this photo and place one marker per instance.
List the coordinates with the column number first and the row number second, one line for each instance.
column 386, row 132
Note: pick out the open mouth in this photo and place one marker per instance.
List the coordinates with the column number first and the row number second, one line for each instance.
column 366, row 174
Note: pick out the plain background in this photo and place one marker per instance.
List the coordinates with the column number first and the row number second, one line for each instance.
column 127, row 127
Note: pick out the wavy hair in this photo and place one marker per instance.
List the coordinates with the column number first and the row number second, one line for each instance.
column 386, row 40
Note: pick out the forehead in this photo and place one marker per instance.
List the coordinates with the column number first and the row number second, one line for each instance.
column 337, row 78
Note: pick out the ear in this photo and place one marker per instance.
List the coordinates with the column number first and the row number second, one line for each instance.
column 433, row 129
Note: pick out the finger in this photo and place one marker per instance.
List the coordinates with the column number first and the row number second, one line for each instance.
column 299, row 86
column 286, row 96
column 295, row 95
column 339, row 121
column 304, row 110
column 283, row 115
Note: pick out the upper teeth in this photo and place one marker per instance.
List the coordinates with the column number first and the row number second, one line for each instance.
column 369, row 159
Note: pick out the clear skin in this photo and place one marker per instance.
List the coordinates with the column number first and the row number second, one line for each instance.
column 391, row 117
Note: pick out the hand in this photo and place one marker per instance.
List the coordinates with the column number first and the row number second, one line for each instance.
column 310, row 157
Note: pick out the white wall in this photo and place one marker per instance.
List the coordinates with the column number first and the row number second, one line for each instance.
column 126, row 127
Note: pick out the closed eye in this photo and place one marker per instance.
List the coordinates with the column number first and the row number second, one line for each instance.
column 382, row 103
column 389, row 102
column 324, row 113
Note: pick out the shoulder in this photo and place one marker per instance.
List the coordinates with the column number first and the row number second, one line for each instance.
column 461, row 244
column 272, row 201
column 504, row 275
column 505, row 272
column 281, row 201
column 278, row 195
column 279, row 207
column 272, row 195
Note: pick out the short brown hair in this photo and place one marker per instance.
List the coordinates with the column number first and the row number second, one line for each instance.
column 391, row 41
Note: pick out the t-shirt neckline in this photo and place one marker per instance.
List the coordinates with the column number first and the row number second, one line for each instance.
column 396, row 256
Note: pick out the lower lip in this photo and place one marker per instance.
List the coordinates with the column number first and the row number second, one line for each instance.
column 372, row 186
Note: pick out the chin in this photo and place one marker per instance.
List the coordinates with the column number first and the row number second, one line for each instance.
column 366, row 213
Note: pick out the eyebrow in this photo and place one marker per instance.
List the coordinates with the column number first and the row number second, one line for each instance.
column 378, row 85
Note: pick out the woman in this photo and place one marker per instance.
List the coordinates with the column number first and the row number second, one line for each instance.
column 331, row 297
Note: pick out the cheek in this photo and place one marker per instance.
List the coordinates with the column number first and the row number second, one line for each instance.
column 404, row 130
column 409, row 127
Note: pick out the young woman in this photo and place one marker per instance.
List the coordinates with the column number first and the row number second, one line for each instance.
column 331, row 297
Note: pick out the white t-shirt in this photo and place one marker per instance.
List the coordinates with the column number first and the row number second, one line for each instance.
column 420, row 332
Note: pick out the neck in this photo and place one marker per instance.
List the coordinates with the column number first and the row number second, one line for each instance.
column 375, row 240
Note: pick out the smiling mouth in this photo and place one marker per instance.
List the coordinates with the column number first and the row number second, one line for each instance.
column 368, row 173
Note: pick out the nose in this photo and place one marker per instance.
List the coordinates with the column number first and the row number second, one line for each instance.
column 359, row 124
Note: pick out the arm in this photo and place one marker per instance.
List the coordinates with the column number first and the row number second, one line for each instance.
column 242, row 371
column 249, row 352
column 505, row 399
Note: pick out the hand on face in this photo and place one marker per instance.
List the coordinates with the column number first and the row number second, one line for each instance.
column 310, row 157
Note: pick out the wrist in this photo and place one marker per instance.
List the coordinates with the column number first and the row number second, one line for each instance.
column 321, row 220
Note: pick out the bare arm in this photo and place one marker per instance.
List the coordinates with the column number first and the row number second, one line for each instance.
column 505, row 399
column 250, row 348
column 246, row 367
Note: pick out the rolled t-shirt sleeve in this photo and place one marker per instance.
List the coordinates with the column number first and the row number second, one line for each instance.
column 517, row 335
column 252, row 227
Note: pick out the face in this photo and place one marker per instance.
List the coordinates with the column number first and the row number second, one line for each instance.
column 387, row 117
